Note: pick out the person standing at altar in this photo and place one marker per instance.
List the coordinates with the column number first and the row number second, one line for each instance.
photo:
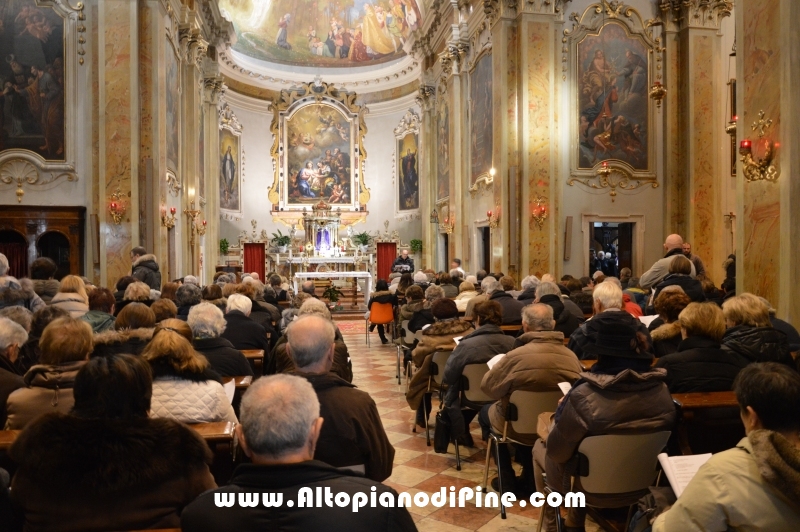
column 403, row 263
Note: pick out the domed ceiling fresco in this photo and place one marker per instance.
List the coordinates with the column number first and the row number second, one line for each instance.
column 319, row 33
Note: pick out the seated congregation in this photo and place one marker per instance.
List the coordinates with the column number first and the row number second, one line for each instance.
column 104, row 395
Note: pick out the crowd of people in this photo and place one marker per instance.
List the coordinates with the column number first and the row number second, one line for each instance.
column 102, row 383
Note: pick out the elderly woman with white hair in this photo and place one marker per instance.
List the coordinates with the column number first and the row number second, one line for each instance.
column 15, row 291
column 280, row 361
column 187, row 296
column 528, row 285
column 243, row 331
column 12, row 338
column 208, row 323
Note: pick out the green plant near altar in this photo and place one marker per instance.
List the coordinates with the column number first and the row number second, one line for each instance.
column 281, row 240
column 223, row 246
column 332, row 294
column 362, row 239
column 416, row 245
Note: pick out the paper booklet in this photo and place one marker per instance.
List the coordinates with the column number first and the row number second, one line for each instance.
column 495, row 359
column 681, row 469
column 647, row 320
column 565, row 387
column 457, row 339
column 230, row 390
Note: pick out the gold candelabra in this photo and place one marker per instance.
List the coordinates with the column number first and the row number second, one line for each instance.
column 448, row 225
column 168, row 221
column 117, row 208
column 493, row 217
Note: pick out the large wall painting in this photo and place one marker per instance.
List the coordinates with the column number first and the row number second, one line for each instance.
column 172, row 102
column 443, row 152
column 201, row 151
column 614, row 60
column 32, row 79
column 406, row 163
column 230, row 171
column 480, row 107
column 343, row 33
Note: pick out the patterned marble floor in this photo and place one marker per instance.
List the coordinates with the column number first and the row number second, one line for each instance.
column 416, row 466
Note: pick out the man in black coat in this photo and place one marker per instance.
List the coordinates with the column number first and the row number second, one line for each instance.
column 566, row 322
column 280, row 431
column 207, row 323
column 512, row 309
column 145, row 268
column 241, row 331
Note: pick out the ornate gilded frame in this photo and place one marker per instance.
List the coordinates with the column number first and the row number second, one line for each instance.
column 482, row 46
column 229, row 122
column 290, row 102
column 409, row 124
column 612, row 174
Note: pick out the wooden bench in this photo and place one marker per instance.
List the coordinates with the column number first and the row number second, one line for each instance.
column 256, row 359
column 220, row 437
column 511, row 330
column 214, row 433
column 242, row 383
column 7, row 437
column 708, row 422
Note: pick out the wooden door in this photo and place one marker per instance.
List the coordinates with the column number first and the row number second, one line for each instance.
column 387, row 252
column 625, row 248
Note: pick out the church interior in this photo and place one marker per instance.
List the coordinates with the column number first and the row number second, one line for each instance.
column 320, row 140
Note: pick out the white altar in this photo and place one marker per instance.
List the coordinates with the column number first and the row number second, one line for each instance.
column 357, row 276
column 301, row 261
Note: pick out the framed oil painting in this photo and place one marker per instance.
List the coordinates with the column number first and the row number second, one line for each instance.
column 201, row 151
column 443, row 152
column 480, row 112
column 172, row 103
column 615, row 59
column 230, row 171
column 32, row 79
column 406, row 164
column 322, row 34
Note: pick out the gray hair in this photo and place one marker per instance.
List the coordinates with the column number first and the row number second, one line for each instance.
column 772, row 311
column 19, row 315
column 538, row 317
column 191, row 279
column 530, row 281
column 434, row 292
column 224, row 279
column 308, row 287
column 239, row 302
column 255, row 283
column 277, row 413
column 188, row 295
column 420, row 277
column 547, row 289
column 266, row 291
column 206, row 320
column 3, row 265
column 673, row 288
column 613, row 280
column 455, row 272
column 314, row 307
column 609, row 295
column 11, row 333
column 310, row 338
column 490, row 284
column 472, row 279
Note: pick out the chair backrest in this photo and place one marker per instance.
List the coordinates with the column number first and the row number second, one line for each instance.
column 408, row 337
column 381, row 313
column 437, row 365
column 529, row 405
column 473, row 373
column 621, row 463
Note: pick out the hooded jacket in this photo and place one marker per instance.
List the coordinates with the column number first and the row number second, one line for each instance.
column 587, row 333
column 758, row 344
column 354, row 434
column 19, row 292
column 754, row 486
column 699, row 365
column 666, row 338
column 45, row 288
column 145, row 269
column 566, row 322
column 99, row 320
column 104, row 474
column 48, row 389
column 125, row 341
column 512, row 309
column 72, row 303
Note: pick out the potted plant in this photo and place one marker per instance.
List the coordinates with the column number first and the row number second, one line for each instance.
column 362, row 239
column 281, row 241
column 416, row 246
column 332, row 294
column 223, row 246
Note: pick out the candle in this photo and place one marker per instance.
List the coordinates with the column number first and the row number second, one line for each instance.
column 113, row 206
column 605, row 164
column 204, row 222
column 488, row 214
column 735, row 118
column 746, row 144
column 172, row 210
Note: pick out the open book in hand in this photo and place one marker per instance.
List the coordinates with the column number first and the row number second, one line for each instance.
column 681, row 469
column 494, row 360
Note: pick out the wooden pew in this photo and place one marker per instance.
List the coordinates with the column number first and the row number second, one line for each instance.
column 256, row 359
column 242, row 383
column 511, row 330
column 708, row 422
column 7, row 437
column 221, row 439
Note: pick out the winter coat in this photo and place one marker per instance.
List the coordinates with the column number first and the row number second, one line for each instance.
column 754, row 486
column 145, row 269
column 20, row 293
column 792, row 336
column 407, row 311
column 286, row 481
column 189, row 397
column 437, row 337
column 99, row 320
column 586, row 334
column 354, row 434
column 666, row 339
column 477, row 347
column 462, row 299
column 107, row 474
column 629, row 306
column 450, row 290
column 566, row 322
column 45, row 288
column 699, row 365
column 699, row 267
column 72, row 303
column 528, row 295
column 125, row 341
column 244, row 333
column 470, row 312
column 223, row 357
column 660, row 270
column 280, row 362
column 512, row 309
column 625, row 403
column 10, row 380
column 421, row 318
column 48, row 389
column 758, row 344
column 538, row 363
column 691, row 286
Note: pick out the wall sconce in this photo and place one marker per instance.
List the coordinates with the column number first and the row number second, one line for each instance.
column 539, row 211
column 760, row 167
column 168, row 221
column 658, row 92
column 603, row 170
column 448, row 225
column 492, row 173
column 201, row 229
column 494, row 217
column 117, row 207
column 434, row 217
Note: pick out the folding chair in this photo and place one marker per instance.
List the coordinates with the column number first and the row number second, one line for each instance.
column 435, row 374
column 406, row 341
column 522, row 414
column 614, row 464
column 472, row 397
column 380, row 314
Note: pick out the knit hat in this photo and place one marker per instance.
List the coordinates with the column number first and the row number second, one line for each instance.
column 444, row 309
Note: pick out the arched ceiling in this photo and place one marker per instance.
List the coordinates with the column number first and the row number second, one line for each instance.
column 323, row 34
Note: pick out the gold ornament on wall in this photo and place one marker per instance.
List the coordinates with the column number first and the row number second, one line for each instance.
column 759, row 167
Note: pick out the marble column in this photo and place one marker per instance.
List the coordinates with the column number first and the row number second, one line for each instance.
column 213, row 88
column 426, row 101
column 768, row 214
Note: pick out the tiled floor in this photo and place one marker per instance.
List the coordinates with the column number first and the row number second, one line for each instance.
column 416, row 466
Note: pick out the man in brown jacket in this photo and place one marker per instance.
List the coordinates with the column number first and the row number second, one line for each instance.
column 352, row 434
column 538, row 362
column 621, row 395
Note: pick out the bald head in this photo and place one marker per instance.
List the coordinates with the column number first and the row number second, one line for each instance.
column 311, row 343
column 673, row 242
column 538, row 317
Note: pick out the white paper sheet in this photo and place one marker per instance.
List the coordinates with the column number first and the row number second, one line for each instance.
column 647, row 320
column 565, row 387
column 230, row 390
column 494, row 360
column 681, row 469
column 457, row 339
